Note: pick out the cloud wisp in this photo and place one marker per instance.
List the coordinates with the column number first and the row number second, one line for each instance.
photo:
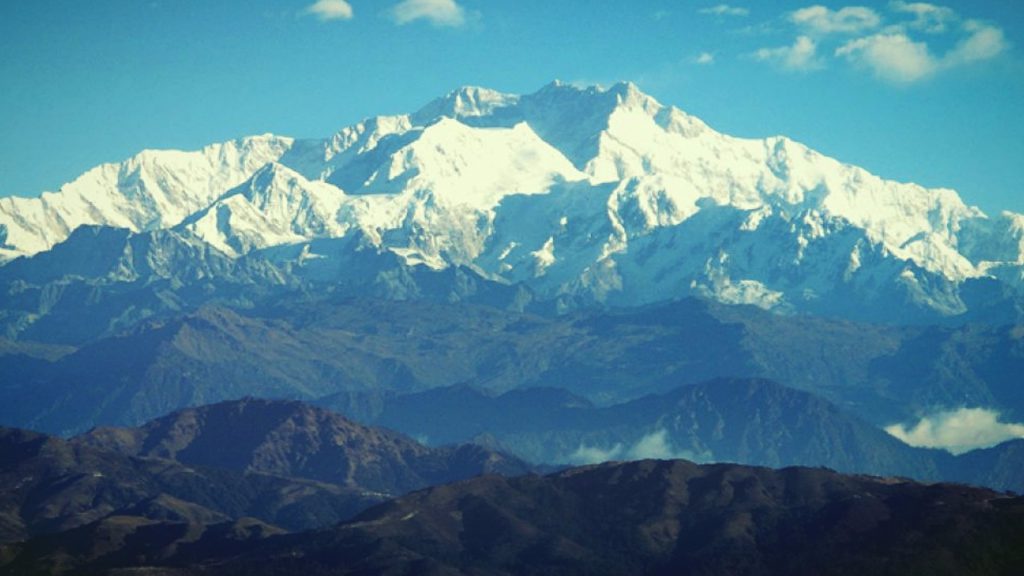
column 801, row 56
column 896, row 51
column 983, row 42
column 655, row 445
column 927, row 17
column 849, row 20
column 893, row 57
column 724, row 10
column 704, row 59
column 896, row 58
column 436, row 12
column 327, row 10
column 958, row 431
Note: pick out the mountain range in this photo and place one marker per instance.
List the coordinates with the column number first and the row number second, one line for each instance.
column 573, row 196
column 225, row 355
column 650, row 517
column 290, row 465
column 745, row 420
column 342, row 352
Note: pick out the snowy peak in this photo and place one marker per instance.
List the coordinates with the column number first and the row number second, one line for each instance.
column 583, row 193
column 606, row 99
column 353, row 142
column 994, row 243
column 427, row 175
column 474, row 167
column 276, row 206
column 471, row 102
column 629, row 96
column 466, row 102
column 152, row 190
column 570, row 118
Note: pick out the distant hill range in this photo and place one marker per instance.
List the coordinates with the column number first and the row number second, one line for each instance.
column 749, row 421
column 645, row 517
column 368, row 347
column 288, row 464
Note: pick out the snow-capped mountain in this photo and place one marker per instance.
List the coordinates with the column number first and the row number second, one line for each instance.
column 591, row 194
column 152, row 190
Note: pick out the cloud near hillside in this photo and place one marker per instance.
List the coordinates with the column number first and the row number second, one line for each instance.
column 958, row 431
column 654, row 445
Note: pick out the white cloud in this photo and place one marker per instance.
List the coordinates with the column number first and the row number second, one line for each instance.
column 594, row 455
column 983, row 42
column 330, row 10
column 893, row 57
column 801, row 56
column 724, row 10
column 654, row 445
column 437, row 12
column 927, row 17
column 958, row 430
column 849, row 20
column 896, row 53
column 704, row 58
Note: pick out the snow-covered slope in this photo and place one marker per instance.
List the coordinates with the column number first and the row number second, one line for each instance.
column 275, row 206
column 587, row 193
column 152, row 190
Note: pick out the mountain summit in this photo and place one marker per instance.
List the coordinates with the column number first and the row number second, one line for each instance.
column 587, row 195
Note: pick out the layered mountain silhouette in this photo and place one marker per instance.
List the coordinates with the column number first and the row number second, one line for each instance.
column 367, row 348
column 51, row 485
column 288, row 464
column 752, row 421
column 564, row 277
column 650, row 517
column 293, row 439
column 749, row 421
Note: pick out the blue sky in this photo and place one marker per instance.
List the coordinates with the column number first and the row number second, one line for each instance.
column 925, row 92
